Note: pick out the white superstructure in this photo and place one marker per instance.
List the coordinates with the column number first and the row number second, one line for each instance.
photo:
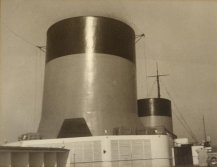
column 109, row 151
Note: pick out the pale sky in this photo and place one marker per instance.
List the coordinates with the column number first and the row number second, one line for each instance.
column 180, row 35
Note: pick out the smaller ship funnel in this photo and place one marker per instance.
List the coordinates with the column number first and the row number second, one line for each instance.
column 155, row 112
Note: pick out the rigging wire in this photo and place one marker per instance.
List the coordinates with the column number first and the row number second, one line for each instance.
column 146, row 70
column 17, row 35
column 42, row 48
column 39, row 59
column 145, row 57
column 39, row 51
column 35, row 85
column 152, row 87
column 182, row 119
column 131, row 21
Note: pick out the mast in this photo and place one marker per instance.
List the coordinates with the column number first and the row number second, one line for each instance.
column 158, row 83
column 204, row 128
column 158, row 80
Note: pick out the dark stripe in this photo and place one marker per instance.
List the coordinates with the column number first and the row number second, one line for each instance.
column 73, row 35
column 154, row 106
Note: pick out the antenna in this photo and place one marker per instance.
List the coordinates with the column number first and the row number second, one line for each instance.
column 158, row 81
column 204, row 128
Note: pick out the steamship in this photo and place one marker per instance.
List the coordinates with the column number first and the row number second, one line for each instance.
column 91, row 115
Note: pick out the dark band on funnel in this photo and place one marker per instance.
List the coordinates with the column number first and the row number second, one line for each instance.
column 154, row 107
column 103, row 35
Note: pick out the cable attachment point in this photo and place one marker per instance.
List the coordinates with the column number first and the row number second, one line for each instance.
column 42, row 48
column 139, row 37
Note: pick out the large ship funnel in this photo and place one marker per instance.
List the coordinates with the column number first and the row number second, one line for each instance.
column 90, row 80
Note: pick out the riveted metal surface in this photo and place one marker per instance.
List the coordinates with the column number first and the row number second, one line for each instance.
column 154, row 106
column 90, row 34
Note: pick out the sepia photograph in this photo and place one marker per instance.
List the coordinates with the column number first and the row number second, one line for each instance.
column 108, row 83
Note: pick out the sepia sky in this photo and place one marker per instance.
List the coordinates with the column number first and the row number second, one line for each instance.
column 180, row 35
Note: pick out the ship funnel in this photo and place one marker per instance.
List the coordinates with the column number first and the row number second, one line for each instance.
column 155, row 112
column 90, row 79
